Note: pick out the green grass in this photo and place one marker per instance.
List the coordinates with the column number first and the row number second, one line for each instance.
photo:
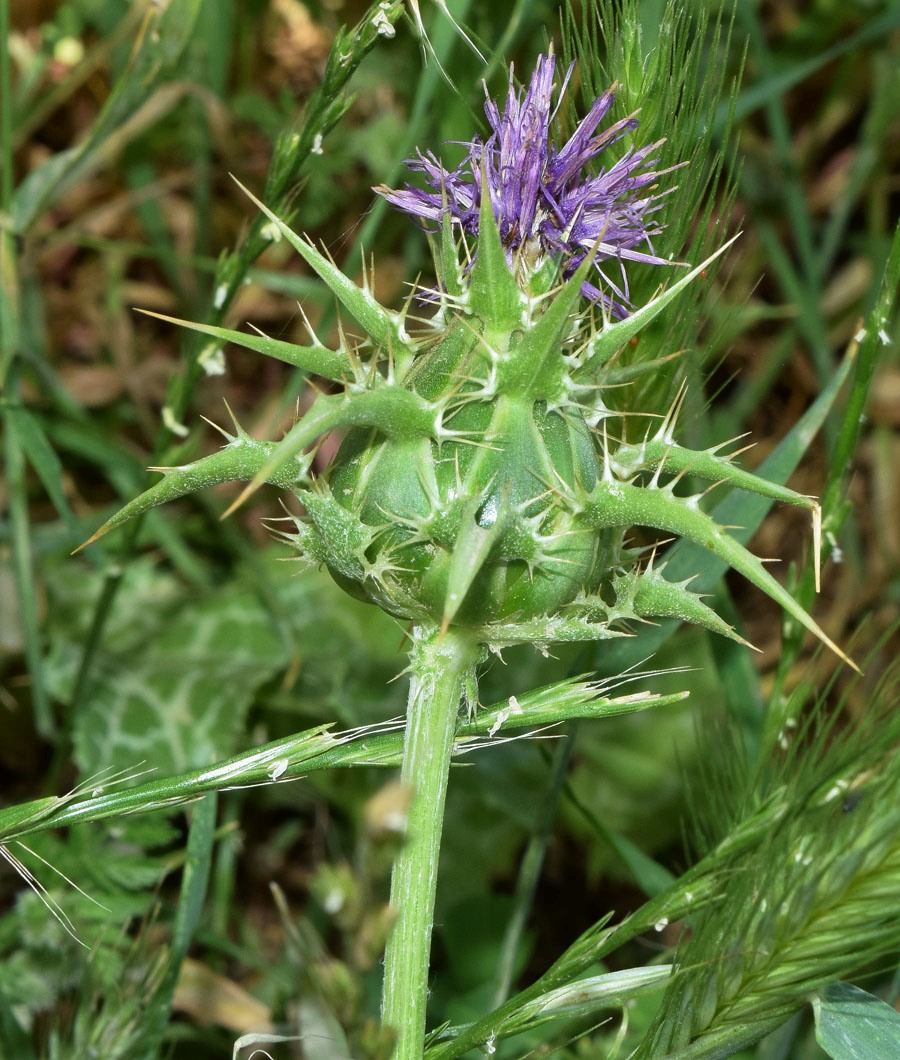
column 132, row 670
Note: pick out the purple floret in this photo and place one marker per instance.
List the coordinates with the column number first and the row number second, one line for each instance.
column 544, row 198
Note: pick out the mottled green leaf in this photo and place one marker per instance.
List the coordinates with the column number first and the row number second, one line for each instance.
column 177, row 671
column 854, row 1025
column 181, row 701
column 175, row 676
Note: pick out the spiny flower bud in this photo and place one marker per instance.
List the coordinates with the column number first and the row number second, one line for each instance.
column 482, row 482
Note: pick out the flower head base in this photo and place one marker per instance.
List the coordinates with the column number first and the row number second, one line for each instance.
column 545, row 201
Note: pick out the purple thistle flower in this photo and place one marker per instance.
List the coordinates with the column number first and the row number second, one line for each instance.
column 544, row 198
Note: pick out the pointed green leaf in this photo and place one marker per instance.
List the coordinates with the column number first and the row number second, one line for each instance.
column 450, row 270
column 656, row 597
column 685, row 559
column 618, row 504
column 614, row 336
column 393, row 410
column 342, row 535
column 470, row 552
column 540, row 345
column 494, row 295
column 555, row 629
column 659, row 452
column 318, row 359
column 240, row 460
column 385, row 327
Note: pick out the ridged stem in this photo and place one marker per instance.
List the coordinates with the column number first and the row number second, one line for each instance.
column 441, row 665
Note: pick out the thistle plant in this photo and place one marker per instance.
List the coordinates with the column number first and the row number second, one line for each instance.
column 488, row 490
column 501, row 442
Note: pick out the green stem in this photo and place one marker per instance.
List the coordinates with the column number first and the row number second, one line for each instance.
column 442, row 664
